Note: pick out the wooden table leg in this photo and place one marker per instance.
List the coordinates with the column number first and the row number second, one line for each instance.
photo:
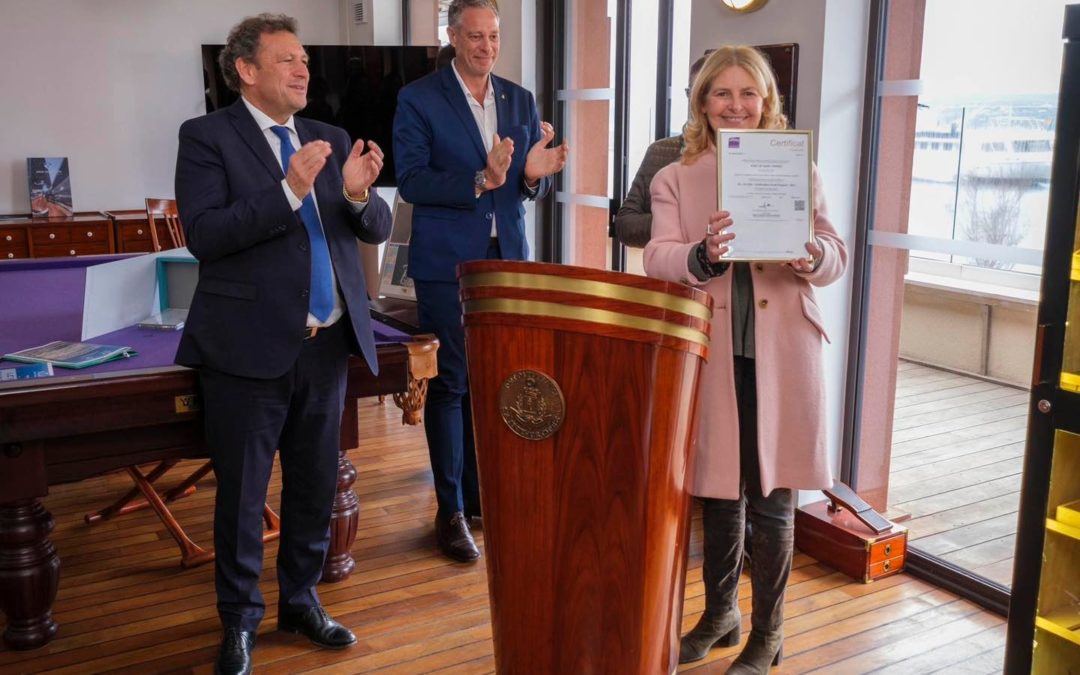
column 346, row 513
column 29, row 573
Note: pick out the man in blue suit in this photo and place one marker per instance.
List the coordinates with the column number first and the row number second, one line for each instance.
column 469, row 148
column 272, row 206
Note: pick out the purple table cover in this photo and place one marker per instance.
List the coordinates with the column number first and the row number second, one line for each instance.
column 42, row 301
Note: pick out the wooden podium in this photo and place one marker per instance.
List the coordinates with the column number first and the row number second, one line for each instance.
column 583, row 387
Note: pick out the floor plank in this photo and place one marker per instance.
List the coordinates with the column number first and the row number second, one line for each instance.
column 126, row 606
column 957, row 466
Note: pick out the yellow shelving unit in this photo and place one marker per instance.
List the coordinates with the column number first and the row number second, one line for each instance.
column 1057, row 619
column 1070, row 361
column 1043, row 634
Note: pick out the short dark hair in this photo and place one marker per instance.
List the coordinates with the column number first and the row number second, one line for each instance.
column 695, row 68
column 243, row 42
column 445, row 56
column 458, row 7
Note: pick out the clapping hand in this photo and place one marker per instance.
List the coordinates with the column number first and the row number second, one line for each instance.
column 542, row 160
column 362, row 168
column 305, row 165
column 498, row 161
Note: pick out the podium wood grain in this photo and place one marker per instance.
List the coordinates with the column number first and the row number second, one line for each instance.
column 586, row 531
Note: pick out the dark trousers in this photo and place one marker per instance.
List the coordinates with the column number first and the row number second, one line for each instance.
column 247, row 420
column 772, row 519
column 448, row 412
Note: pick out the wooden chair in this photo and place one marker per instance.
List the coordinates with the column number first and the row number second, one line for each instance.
column 191, row 554
column 164, row 210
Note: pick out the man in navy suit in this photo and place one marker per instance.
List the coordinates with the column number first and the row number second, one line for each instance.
column 272, row 206
column 469, row 149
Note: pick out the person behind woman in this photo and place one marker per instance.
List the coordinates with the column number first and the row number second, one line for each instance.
column 761, row 430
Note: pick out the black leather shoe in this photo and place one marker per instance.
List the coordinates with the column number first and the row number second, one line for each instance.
column 454, row 538
column 234, row 657
column 316, row 625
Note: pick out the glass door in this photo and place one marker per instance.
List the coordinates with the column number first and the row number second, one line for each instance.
column 961, row 158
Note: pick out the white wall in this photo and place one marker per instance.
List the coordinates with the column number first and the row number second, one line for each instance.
column 779, row 21
column 832, row 36
column 107, row 84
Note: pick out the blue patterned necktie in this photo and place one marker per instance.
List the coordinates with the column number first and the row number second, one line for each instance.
column 322, row 290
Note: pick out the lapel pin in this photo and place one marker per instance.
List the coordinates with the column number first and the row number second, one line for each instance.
column 502, row 96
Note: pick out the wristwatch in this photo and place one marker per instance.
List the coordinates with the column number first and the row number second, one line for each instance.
column 480, row 180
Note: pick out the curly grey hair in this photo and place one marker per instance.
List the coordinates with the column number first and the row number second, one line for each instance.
column 243, row 42
column 458, row 7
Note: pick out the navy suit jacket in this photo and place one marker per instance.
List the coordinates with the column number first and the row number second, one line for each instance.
column 437, row 152
column 251, row 303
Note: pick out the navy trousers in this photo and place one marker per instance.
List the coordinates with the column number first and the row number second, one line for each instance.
column 447, row 413
column 247, row 420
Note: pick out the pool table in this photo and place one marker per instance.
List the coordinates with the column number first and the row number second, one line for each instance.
column 82, row 423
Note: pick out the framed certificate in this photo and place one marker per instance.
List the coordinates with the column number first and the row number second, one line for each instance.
column 765, row 180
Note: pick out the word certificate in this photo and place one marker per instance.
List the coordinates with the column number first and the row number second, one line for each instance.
column 765, row 180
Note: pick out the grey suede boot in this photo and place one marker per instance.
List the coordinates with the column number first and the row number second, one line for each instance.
column 721, row 623
column 762, row 651
column 773, row 532
column 710, row 631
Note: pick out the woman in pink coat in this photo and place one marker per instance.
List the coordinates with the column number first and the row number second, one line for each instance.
column 761, row 426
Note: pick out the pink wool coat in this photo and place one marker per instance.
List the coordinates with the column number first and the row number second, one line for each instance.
column 788, row 342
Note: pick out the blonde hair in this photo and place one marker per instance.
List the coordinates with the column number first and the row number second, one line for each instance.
column 697, row 134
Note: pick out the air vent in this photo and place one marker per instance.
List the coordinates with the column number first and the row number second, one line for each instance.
column 360, row 15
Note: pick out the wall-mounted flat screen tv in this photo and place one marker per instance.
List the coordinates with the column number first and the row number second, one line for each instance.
column 353, row 87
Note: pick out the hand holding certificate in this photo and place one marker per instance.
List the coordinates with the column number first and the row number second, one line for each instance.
column 765, row 185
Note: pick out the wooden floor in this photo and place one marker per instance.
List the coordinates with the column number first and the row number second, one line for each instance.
column 957, row 462
column 125, row 606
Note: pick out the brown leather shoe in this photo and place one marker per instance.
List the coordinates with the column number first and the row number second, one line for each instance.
column 454, row 538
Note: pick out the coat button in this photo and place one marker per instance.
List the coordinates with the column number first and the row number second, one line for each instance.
column 302, row 247
column 763, row 304
column 759, row 267
column 303, row 293
column 488, row 215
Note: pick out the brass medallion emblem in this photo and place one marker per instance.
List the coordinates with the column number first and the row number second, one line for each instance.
column 531, row 404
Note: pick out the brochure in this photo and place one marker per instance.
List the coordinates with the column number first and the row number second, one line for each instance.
column 71, row 354
column 169, row 319
column 27, row 371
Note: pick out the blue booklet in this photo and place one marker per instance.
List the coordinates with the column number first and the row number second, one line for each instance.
column 25, row 371
column 71, row 354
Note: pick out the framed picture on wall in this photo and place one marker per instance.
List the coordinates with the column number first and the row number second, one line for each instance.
column 50, row 186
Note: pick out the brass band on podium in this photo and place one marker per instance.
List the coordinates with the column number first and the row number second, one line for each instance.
column 602, row 289
column 587, row 314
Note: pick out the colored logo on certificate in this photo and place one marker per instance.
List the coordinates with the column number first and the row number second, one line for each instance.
column 733, row 143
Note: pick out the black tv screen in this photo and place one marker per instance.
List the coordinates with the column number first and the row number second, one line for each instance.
column 354, row 88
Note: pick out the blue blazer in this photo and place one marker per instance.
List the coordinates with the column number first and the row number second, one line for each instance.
column 251, row 303
column 437, row 152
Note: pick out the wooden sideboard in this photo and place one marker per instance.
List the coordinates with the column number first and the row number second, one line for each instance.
column 87, row 233
column 80, row 234
column 132, row 230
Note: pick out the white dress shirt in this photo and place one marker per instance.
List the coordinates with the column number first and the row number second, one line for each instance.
column 485, row 114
